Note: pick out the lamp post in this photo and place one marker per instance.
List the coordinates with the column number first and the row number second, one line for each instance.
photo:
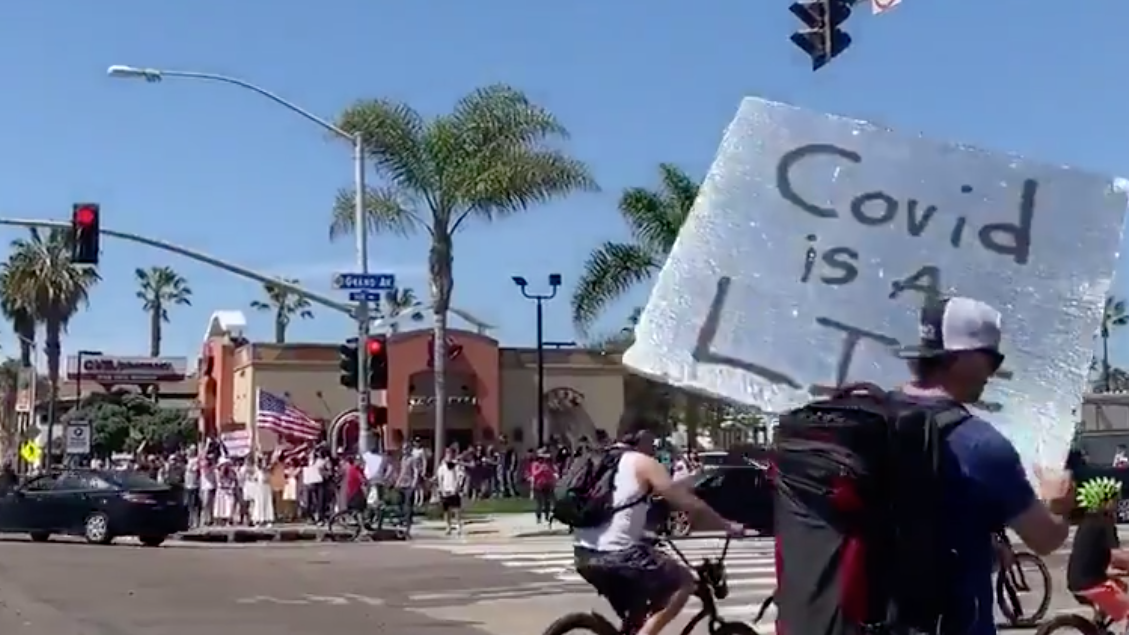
column 78, row 374
column 153, row 75
column 540, row 298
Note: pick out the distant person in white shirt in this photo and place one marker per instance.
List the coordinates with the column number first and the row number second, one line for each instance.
column 449, row 479
column 313, row 477
column 1121, row 457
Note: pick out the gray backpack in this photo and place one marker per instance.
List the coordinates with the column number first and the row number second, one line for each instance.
column 584, row 493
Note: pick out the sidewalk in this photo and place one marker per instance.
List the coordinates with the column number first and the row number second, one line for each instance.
column 486, row 526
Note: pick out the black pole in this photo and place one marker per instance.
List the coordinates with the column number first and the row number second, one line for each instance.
column 540, row 376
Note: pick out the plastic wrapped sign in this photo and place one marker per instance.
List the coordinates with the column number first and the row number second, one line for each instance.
column 816, row 238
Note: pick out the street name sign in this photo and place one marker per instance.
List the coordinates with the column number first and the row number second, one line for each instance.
column 364, row 281
column 364, row 296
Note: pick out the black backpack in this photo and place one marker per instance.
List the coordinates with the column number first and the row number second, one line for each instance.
column 859, row 526
column 584, row 493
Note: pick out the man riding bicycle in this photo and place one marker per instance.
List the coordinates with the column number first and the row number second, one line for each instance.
column 1096, row 558
column 613, row 557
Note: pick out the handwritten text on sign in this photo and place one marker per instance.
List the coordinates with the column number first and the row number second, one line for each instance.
column 816, row 238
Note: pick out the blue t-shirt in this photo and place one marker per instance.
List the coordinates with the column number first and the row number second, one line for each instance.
column 986, row 489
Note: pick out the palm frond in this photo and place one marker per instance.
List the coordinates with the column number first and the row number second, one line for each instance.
column 392, row 134
column 610, row 272
column 387, row 210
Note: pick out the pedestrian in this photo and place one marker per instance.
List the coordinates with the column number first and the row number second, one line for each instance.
column 408, row 480
column 192, row 487
column 543, row 480
column 226, row 507
column 448, row 483
column 291, row 472
column 312, row 479
column 262, row 495
column 207, row 489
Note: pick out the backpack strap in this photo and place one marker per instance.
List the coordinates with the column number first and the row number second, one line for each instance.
column 948, row 419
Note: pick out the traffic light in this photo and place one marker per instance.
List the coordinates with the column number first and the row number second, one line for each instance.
column 348, row 363
column 823, row 40
column 377, row 417
column 84, row 234
column 377, row 363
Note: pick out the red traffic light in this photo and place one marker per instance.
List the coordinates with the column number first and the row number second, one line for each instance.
column 374, row 347
column 85, row 215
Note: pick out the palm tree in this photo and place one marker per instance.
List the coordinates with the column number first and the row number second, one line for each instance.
column 161, row 287
column 285, row 305
column 487, row 159
column 654, row 218
column 1114, row 316
column 396, row 302
column 23, row 323
column 39, row 280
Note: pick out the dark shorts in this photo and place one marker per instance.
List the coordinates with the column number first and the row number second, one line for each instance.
column 454, row 501
column 632, row 579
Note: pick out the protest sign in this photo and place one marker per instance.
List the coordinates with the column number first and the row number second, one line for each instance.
column 815, row 240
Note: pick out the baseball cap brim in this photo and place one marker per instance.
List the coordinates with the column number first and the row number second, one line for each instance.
column 918, row 352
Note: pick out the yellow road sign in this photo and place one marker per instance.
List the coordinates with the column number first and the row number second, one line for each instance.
column 30, row 452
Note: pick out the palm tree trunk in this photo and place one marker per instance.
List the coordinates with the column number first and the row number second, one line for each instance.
column 280, row 328
column 693, row 406
column 1105, row 360
column 155, row 332
column 53, row 349
column 439, row 266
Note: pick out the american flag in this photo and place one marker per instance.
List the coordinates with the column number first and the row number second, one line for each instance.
column 275, row 414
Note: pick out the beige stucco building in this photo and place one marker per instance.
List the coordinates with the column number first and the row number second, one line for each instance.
column 491, row 389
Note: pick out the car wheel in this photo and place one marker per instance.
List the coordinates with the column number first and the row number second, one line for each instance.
column 680, row 525
column 40, row 536
column 152, row 540
column 97, row 529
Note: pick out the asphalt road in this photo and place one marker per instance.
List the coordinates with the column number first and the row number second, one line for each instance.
column 304, row 589
column 452, row 587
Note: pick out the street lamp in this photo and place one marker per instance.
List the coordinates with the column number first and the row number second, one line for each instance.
column 540, row 298
column 153, row 75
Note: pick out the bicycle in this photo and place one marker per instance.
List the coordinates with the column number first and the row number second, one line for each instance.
column 1011, row 581
column 350, row 524
column 711, row 586
column 1097, row 624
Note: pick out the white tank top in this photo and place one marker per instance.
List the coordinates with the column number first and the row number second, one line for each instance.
column 626, row 526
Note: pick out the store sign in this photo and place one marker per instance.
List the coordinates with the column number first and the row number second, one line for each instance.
column 127, row 370
column 415, row 403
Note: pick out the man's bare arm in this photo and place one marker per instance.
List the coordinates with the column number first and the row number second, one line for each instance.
column 654, row 476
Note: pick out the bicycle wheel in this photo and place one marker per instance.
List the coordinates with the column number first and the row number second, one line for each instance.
column 1071, row 622
column 582, row 623
column 345, row 526
column 1027, row 581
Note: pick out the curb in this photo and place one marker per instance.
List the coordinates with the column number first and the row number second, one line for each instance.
column 279, row 535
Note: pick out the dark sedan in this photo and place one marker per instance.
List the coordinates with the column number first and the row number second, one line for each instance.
column 738, row 488
column 99, row 505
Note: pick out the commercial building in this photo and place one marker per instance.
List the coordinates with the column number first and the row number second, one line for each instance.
column 491, row 389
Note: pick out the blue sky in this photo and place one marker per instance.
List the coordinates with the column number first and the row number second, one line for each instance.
column 225, row 171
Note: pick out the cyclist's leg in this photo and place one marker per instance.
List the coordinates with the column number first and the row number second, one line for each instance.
column 667, row 583
column 608, row 580
column 1110, row 598
column 651, row 577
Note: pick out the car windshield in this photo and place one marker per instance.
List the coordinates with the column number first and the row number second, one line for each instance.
column 131, row 480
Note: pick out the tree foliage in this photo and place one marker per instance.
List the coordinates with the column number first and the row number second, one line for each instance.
column 285, row 305
column 122, row 421
column 158, row 289
column 493, row 156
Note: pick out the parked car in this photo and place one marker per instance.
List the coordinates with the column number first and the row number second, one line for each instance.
column 99, row 505
column 735, row 485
